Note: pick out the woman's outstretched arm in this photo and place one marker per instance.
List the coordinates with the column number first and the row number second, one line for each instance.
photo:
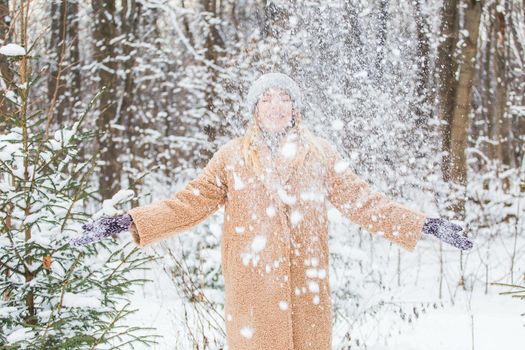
column 370, row 209
column 200, row 198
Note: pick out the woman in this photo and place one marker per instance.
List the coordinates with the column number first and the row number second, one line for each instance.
column 275, row 183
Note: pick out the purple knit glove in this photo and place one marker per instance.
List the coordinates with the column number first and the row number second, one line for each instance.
column 447, row 232
column 101, row 229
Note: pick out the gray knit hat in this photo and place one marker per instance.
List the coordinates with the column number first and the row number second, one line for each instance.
column 268, row 80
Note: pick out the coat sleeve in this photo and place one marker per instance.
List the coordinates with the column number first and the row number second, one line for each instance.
column 200, row 198
column 370, row 209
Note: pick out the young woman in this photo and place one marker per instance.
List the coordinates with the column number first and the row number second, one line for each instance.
column 275, row 182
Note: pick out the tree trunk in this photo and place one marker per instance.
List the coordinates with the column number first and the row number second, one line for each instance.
column 57, row 53
column 517, row 78
column 502, row 117
column 130, row 17
column 214, row 44
column 460, row 120
column 353, row 41
column 423, row 80
column 382, row 18
column 104, row 30
column 487, row 79
column 455, row 94
column 6, row 74
column 445, row 70
column 74, row 52
column 186, row 27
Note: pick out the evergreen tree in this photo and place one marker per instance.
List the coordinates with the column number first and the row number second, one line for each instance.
column 53, row 295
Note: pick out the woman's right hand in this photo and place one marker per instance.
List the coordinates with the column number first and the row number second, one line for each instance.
column 101, row 229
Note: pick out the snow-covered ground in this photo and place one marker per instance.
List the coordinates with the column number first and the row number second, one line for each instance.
column 491, row 322
column 476, row 321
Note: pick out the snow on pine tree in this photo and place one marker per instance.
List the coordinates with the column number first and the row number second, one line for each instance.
column 53, row 295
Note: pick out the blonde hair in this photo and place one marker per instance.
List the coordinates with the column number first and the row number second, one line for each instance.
column 253, row 132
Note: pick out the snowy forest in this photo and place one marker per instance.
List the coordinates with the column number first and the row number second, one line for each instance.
column 110, row 105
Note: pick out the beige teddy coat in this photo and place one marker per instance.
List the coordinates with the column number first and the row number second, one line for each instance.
column 274, row 246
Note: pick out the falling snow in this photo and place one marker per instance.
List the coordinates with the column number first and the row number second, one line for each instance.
column 283, row 305
column 258, row 243
column 289, row 150
column 271, row 211
column 341, row 166
column 247, row 332
column 313, row 286
column 238, row 184
column 285, row 197
column 296, row 217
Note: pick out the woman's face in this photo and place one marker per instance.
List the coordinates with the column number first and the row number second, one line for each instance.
column 274, row 109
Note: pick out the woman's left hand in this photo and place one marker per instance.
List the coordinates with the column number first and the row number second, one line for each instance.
column 447, row 232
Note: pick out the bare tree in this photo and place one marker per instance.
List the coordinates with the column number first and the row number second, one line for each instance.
column 5, row 70
column 455, row 94
column 104, row 47
column 214, row 46
column 424, row 79
column 57, row 52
